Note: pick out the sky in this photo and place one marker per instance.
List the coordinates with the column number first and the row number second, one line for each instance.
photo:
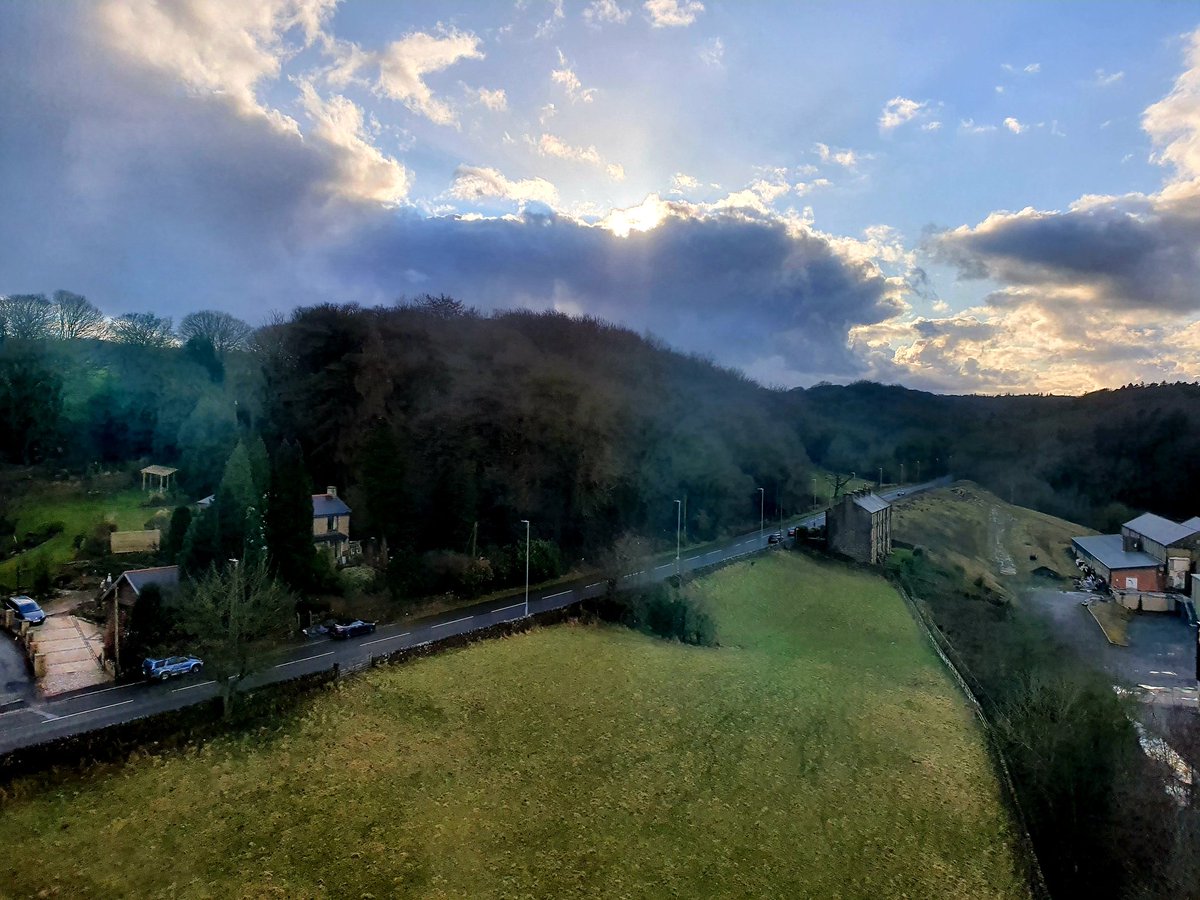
column 992, row 198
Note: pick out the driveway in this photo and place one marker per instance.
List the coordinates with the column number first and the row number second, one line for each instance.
column 16, row 681
column 1160, row 658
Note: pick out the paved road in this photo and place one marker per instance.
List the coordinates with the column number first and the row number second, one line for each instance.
column 108, row 706
column 16, row 681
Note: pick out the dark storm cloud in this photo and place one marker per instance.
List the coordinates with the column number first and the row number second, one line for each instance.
column 1132, row 253
column 144, row 196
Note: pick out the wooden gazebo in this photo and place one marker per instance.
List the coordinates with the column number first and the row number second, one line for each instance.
column 162, row 473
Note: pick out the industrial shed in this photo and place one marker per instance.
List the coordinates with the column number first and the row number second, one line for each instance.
column 1123, row 569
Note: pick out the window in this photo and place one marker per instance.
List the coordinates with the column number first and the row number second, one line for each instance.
column 331, row 524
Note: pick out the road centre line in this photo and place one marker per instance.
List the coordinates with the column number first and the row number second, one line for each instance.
column 86, row 711
column 559, row 594
column 390, row 637
column 692, row 558
column 455, row 622
column 101, row 691
column 592, row 585
column 507, row 608
column 304, row 659
column 190, row 686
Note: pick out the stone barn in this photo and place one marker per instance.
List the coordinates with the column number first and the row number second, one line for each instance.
column 860, row 526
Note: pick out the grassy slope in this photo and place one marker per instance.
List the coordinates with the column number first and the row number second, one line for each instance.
column 820, row 752
column 956, row 525
column 41, row 502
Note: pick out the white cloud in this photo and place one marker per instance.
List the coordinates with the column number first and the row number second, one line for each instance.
column 405, row 63
column 1015, row 126
column 1033, row 68
column 552, row 145
column 681, row 182
column 615, row 171
column 807, row 187
column 999, row 89
column 547, row 112
column 1104, row 79
column 550, row 25
column 496, row 101
column 672, row 13
column 899, row 110
column 566, row 78
column 363, row 172
column 712, row 53
column 476, row 182
column 969, row 126
column 600, row 11
column 846, row 158
column 222, row 50
column 933, row 125
column 1173, row 123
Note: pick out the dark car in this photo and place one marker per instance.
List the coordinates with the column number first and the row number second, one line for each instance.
column 25, row 609
column 792, row 531
column 774, row 537
column 171, row 666
column 351, row 629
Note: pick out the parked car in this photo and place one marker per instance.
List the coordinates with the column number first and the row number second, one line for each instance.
column 351, row 629
column 774, row 537
column 791, row 532
column 162, row 669
column 25, row 609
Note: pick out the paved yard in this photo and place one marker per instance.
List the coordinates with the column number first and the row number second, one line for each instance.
column 72, row 648
column 1160, row 658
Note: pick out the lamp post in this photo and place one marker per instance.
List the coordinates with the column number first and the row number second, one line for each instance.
column 525, row 522
column 814, row 487
column 881, row 477
column 902, row 473
column 678, row 525
column 918, row 471
column 761, row 512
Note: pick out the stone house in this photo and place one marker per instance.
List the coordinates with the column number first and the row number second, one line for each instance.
column 860, row 526
column 331, row 522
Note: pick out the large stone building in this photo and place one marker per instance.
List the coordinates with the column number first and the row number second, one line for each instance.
column 860, row 526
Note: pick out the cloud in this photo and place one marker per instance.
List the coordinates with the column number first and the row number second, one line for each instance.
column 615, row 171
column 1104, row 79
column 565, row 77
column 1031, row 69
column 681, row 183
column 969, row 126
column 1014, row 126
column 552, row 145
column 672, row 13
column 495, row 100
column 933, row 125
column 846, row 158
column 476, row 183
column 899, row 110
column 405, row 63
column 550, row 25
column 712, row 53
column 1173, row 123
column 599, row 12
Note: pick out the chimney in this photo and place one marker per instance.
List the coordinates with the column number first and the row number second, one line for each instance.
column 332, row 491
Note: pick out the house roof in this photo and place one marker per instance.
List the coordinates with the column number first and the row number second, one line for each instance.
column 872, row 503
column 325, row 505
column 330, row 537
column 1193, row 522
column 1160, row 530
column 163, row 576
column 206, row 502
column 1109, row 550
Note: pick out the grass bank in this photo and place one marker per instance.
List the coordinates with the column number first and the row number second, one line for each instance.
column 819, row 752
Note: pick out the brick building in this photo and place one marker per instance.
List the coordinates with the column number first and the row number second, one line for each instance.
column 860, row 526
column 1174, row 546
column 1122, row 569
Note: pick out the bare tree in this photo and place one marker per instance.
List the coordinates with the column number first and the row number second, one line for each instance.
column 26, row 317
column 141, row 330
column 234, row 614
column 223, row 331
column 75, row 317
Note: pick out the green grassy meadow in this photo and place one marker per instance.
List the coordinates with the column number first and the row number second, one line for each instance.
column 42, row 502
column 820, row 751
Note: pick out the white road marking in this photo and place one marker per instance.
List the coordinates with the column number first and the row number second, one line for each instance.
column 190, row 686
column 592, row 585
column 1152, row 687
column 559, row 594
column 119, row 687
column 390, row 637
column 455, row 622
column 507, row 608
column 712, row 552
column 84, row 712
column 691, row 558
column 663, row 566
column 303, row 659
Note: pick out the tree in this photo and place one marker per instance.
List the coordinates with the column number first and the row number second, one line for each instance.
column 200, row 351
column 201, row 549
column 149, row 627
column 289, row 518
column 235, row 495
column 31, row 405
column 76, row 317
column 141, row 330
column 181, row 520
column 233, row 613
column 26, row 317
column 223, row 331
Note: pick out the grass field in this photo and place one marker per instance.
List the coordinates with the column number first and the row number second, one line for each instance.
column 819, row 752
column 41, row 502
column 965, row 526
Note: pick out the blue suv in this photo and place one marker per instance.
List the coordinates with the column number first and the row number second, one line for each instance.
column 162, row 669
column 25, row 609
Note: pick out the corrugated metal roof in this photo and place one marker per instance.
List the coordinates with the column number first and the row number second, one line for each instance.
column 871, row 502
column 1109, row 550
column 163, row 576
column 324, row 505
column 1161, row 530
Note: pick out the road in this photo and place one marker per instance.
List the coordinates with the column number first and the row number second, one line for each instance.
column 37, row 723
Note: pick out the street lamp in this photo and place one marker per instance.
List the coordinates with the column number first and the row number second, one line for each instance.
column 918, row 471
column 525, row 522
column 761, row 512
column 678, row 524
column 881, row 477
column 814, row 487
